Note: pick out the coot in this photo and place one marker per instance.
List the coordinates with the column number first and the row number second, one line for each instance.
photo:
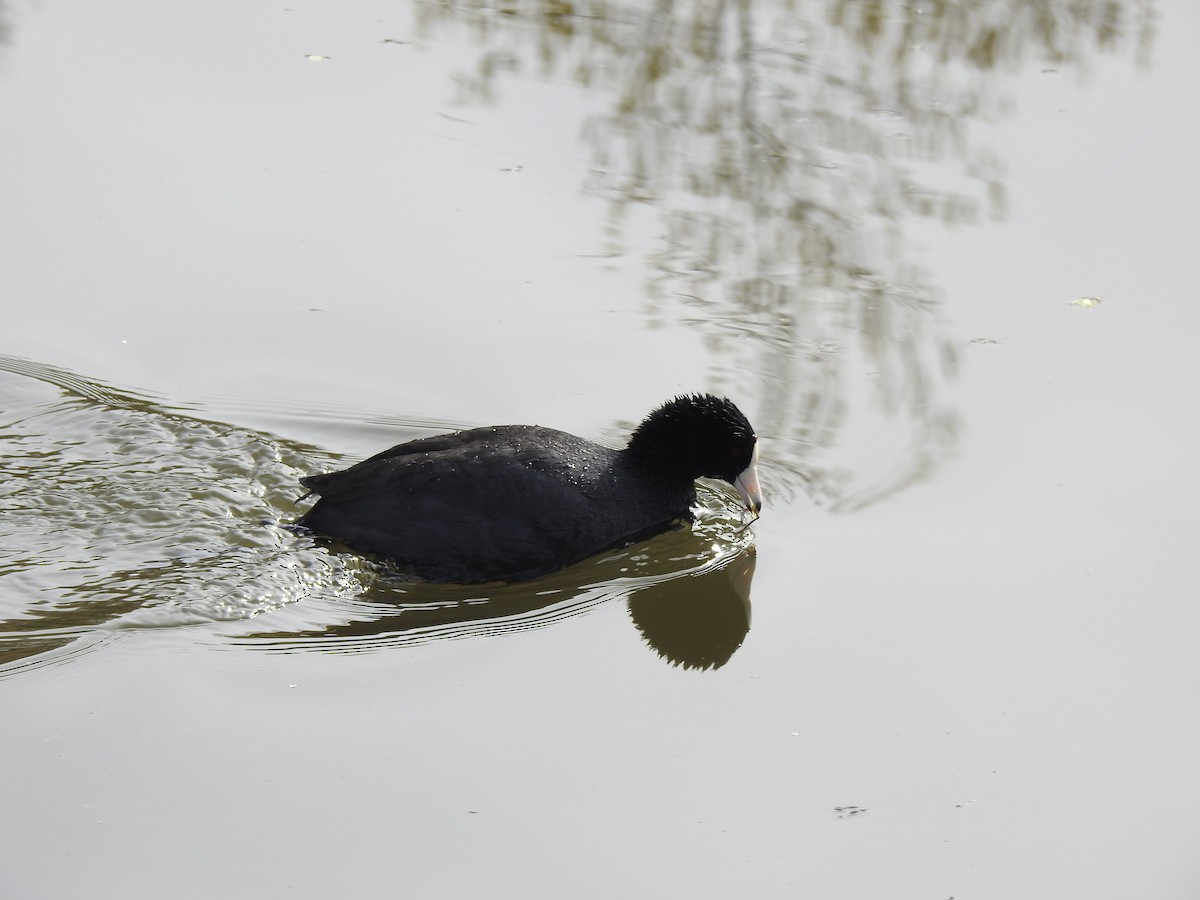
column 511, row 502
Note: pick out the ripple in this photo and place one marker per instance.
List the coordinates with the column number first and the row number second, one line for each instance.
column 119, row 514
column 686, row 597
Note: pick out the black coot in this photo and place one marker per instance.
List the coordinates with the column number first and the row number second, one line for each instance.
column 514, row 501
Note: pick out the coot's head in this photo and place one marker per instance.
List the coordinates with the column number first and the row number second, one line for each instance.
column 700, row 435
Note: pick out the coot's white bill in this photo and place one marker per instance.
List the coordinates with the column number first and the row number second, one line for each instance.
column 747, row 484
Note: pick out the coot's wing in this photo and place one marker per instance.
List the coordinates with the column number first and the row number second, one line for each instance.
column 479, row 438
column 475, row 440
column 497, row 506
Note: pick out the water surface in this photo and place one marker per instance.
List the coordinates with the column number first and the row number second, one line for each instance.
column 940, row 256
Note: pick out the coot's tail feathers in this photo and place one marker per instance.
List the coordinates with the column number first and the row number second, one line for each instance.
column 314, row 483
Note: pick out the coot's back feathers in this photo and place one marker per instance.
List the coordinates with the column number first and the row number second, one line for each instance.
column 509, row 502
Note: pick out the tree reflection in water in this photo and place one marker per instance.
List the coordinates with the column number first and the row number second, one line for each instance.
column 784, row 149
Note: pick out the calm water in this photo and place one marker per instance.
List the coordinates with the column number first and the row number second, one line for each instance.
column 943, row 259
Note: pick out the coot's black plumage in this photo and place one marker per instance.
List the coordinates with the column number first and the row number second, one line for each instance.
column 515, row 501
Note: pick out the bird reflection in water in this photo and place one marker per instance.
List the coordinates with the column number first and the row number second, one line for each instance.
column 688, row 597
